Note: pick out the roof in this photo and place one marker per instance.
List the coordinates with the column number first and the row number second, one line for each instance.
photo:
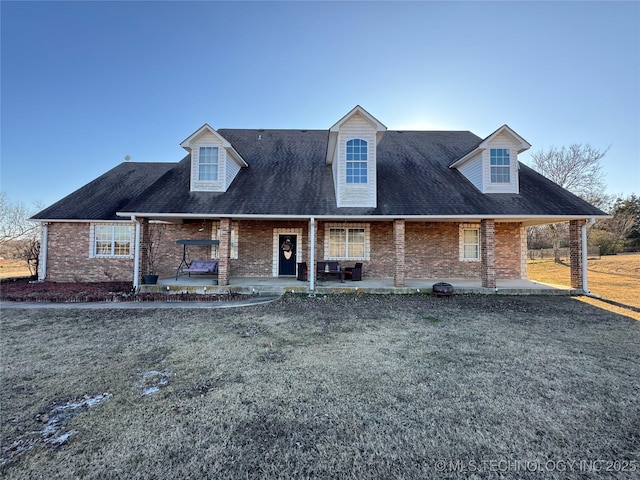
column 107, row 194
column 287, row 176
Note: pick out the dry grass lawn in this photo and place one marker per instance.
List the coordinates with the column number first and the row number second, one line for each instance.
column 13, row 268
column 615, row 277
column 359, row 387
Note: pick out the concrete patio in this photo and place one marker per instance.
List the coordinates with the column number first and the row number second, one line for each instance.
column 280, row 285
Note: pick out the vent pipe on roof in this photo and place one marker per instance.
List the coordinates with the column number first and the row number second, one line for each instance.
column 127, row 158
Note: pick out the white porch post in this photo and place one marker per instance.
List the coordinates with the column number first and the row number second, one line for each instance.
column 44, row 240
column 312, row 253
column 585, row 255
column 136, row 254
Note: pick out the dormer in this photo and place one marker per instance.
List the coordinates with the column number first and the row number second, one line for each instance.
column 493, row 165
column 214, row 161
column 351, row 152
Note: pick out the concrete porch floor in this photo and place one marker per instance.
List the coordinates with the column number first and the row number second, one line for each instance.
column 280, row 285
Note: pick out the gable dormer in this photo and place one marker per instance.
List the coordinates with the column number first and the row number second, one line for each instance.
column 351, row 152
column 493, row 165
column 214, row 161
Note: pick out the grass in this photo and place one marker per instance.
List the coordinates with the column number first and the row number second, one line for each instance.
column 332, row 387
column 615, row 277
column 14, row 268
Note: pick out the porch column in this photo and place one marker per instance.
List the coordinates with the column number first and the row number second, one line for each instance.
column 144, row 247
column 224, row 251
column 575, row 253
column 398, row 244
column 488, row 253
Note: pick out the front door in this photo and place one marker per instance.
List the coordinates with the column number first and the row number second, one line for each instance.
column 287, row 257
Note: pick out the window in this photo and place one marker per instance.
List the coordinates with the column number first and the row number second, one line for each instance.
column 347, row 242
column 470, row 244
column 208, row 164
column 357, row 161
column 112, row 240
column 500, row 172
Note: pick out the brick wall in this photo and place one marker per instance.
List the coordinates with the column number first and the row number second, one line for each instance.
column 431, row 251
column 511, row 258
column 575, row 253
column 68, row 257
column 488, row 253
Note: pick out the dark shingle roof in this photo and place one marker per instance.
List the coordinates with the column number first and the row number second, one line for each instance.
column 107, row 194
column 287, row 175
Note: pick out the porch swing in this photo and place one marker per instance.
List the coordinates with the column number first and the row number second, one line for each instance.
column 196, row 266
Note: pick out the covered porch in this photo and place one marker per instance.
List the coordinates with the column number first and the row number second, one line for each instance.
column 280, row 285
column 400, row 255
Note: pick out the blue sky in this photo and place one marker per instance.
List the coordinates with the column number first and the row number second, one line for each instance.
column 86, row 83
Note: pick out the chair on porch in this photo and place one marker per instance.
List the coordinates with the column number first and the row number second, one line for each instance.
column 353, row 273
column 302, row 271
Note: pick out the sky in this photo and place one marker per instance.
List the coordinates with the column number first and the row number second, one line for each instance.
column 84, row 83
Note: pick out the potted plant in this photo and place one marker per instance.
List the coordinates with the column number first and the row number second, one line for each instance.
column 153, row 244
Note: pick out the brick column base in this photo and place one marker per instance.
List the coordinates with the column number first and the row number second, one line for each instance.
column 575, row 253
column 488, row 253
column 398, row 244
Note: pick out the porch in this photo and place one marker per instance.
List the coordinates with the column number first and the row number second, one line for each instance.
column 280, row 285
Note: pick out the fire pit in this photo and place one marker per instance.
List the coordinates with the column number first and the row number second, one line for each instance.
column 442, row 289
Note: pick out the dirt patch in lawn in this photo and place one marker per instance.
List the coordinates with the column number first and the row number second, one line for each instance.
column 345, row 386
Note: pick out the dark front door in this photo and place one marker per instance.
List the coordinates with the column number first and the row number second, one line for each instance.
column 287, row 257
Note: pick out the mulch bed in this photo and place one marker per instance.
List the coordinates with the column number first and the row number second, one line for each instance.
column 27, row 290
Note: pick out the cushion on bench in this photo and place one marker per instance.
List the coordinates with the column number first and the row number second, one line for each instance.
column 202, row 266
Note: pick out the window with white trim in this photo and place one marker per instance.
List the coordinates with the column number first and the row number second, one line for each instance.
column 500, row 165
column 470, row 244
column 208, row 164
column 215, row 235
column 346, row 242
column 357, row 161
column 111, row 240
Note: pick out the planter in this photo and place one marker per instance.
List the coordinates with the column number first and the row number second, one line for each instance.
column 150, row 279
column 442, row 289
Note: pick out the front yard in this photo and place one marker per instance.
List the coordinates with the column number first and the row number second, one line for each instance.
column 397, row 387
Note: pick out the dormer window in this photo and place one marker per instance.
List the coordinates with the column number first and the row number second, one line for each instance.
column 357, row 161
column 500, row 170
column 208, row 164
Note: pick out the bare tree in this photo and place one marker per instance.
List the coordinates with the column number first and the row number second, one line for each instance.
column 19, row 235
column 14, row 220
column 576, row 168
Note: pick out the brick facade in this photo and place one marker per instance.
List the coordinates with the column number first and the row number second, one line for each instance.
column 575, row 253
column 488, row 253
column 68, row 259
column 431, row 250
column 399, row 252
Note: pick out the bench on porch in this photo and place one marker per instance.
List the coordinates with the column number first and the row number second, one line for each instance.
column 201, row 266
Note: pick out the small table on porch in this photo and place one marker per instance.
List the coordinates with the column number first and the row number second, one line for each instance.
column 330, row 268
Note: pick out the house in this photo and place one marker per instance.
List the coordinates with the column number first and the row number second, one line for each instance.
column 405, row 204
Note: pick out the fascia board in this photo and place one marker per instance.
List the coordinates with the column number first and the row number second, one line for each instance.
column 77, row 220
column 537, row 219
column 379, row 126
column 331, row 147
